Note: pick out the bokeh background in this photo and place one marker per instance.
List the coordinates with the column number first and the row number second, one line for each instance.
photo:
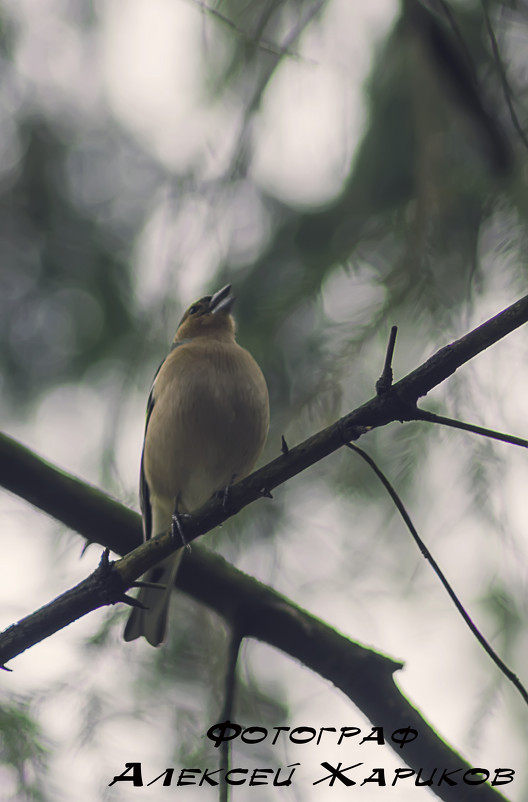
column 347, row 166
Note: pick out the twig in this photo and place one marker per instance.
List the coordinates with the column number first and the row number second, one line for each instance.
column 431, row 417
column 229, row 703
column 384, row 382
column 438, row 571
column 502, row 75
column 247, row 37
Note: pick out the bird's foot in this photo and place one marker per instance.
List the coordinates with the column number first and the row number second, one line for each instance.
column 224, row 493
column 178, row 518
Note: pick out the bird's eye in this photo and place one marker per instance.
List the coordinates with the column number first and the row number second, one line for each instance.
column 193, row 309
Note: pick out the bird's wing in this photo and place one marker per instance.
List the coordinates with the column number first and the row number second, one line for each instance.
column 144, row 494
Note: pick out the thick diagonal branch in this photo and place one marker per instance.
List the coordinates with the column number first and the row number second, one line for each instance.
column 255, row 610
column 100, row 520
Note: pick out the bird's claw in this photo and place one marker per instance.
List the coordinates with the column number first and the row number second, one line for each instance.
column 176, row 528
column 224, row 493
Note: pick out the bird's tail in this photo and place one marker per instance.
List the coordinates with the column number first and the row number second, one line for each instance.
column 152, row 622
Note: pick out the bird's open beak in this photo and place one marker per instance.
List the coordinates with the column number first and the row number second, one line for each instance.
column 222, row 301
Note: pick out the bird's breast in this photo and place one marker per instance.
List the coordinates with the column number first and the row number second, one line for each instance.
column 208, row 424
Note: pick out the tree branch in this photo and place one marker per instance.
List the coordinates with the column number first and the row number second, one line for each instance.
column 99, row 519
column 251, row 608
column 256, row 611
column 440, row 574
column 365, row 676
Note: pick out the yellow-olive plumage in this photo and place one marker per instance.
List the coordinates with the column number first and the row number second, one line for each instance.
column 207, row 421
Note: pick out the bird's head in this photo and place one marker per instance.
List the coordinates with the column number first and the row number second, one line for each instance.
column 209, row 317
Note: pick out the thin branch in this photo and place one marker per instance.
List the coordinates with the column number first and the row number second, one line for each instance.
column 502, row 75
column 440, row 574
column 247, row 37
column 229, row 705
column 384, row 382
column 431, row 417
column 460, row 78
column 241, row 156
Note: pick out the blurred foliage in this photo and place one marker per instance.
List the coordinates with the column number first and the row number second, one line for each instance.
column 431, row 209
column 23, row 753
column 420, row 191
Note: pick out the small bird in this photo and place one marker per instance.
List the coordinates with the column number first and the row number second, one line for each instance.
column 207, row 421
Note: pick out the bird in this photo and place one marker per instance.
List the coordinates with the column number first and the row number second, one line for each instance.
column 206, row 424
